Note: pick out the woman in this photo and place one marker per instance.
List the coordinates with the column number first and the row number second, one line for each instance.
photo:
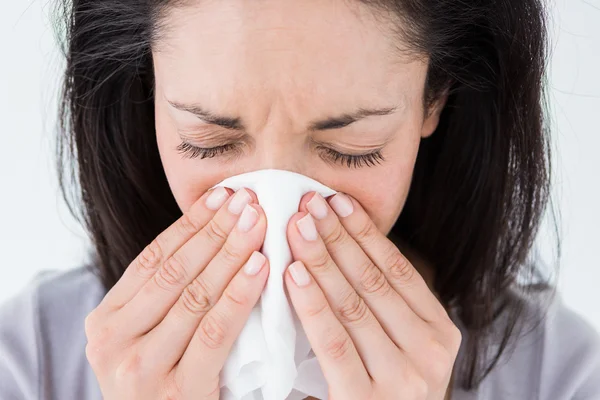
column 416, row 282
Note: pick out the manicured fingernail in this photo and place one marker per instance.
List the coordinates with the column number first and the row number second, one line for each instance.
column 254, row 263
column 247, row 219
column 341, row 204
column 299, row 273
column 307, row 228
column 216, row 199
column 317, row 206
column 239, row 201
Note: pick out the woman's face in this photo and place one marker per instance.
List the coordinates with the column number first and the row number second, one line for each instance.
column 282, row 74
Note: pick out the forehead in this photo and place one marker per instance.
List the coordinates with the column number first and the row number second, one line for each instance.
column 314, row 50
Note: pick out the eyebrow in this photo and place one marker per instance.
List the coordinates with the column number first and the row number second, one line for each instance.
column 335, row 122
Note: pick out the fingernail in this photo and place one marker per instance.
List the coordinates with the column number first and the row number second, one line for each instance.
column 299, row 273
column 317, row 206
column 254, row 263
column 216, row 199
column 307, row 228
column 247, row 219
column 239, row 201
column 341, row 204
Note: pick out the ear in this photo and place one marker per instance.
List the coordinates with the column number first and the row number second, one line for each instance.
column 432, row 116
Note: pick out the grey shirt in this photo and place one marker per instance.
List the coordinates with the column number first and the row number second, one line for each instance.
column 42, row 348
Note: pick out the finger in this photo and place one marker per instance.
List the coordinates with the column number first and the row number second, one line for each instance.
column 180, row 269
column 399, row 321
column 178, row 327
column 144, row 266
column 338, row 357
column 400, row 273
column 212, row 340
column 441, row 339
column 350, row 309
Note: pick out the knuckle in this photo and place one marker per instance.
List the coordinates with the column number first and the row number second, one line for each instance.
column 92, row 356
column 196, row 298
column 102, row 336
column 366, row 234
column 173, row 386
column 439, row 365
column 89, row 323
column 399, row 268
column 130, row 369
column 335, row 237
column 97, row 348
column 96, row 358
column 416, row 385
column 420, row 388
column 318, row 310
column 236, row 297
column 373, row 281
column 353, row 311
column 213, row 391
column 172, row 393
column 339, row 347
column 456, row 337
column 172, row 274
column 453, row 336
column 320, row 263
column 216, row 233
column 230, row 254
column 179, row 382
column 149, row 259
column 187, row 225
column 441, row 316
column 212, row 331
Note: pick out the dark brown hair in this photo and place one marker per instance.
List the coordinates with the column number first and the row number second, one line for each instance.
column 481, row 181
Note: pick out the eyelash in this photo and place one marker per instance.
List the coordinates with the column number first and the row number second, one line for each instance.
column 192, row 151
column 350, row 160
column 354, row 160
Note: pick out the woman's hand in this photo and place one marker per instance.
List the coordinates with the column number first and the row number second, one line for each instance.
column 374, row 325
column 166, row 328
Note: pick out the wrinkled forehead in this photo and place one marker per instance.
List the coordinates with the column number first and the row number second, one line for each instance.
column 318, row 50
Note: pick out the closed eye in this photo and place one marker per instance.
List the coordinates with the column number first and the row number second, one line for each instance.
column 327, row 154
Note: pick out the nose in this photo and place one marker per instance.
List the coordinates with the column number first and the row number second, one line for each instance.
column 281, row 150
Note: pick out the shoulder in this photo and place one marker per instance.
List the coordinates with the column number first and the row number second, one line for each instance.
column 41, row 331
column 54, row 298
column 571, row 354
column 553, row 354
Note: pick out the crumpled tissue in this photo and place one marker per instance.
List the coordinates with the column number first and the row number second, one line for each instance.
column 272, row 358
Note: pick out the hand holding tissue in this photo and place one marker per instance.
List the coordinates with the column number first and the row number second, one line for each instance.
column 272, row 358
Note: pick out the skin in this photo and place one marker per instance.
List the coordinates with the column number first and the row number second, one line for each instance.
column 277, row 67
column 375, row 326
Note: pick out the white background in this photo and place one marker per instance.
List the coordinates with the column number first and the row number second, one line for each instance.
column 37, row 232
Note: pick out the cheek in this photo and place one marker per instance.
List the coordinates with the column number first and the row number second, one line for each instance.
column 383, row 195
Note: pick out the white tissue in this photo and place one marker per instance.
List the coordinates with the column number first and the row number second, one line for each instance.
column 272, row 358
